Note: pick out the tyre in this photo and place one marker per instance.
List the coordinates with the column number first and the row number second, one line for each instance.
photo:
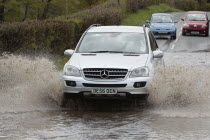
column 207, row 34
column 183, row 34
column 173, row 37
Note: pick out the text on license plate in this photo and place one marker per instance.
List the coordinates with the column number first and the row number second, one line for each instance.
column 162, row 32
column 194, row 32
column 104, row 91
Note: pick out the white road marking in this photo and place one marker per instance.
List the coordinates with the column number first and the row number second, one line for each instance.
column 176, row 40
column 172, row 46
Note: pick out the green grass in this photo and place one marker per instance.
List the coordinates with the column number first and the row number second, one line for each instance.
column 139, row 18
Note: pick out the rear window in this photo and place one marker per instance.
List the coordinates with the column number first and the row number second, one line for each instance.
column 196, row 17
column 113, row 42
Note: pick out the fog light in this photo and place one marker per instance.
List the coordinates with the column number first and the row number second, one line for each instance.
column 71, row 83
column 139, row 84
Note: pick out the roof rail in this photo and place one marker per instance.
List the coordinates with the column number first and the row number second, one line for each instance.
column 93, row 25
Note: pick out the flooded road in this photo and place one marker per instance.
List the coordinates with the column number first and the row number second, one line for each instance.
column 141, row 124
column 178, row 105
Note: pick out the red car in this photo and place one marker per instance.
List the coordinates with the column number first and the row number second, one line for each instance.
column 196, row 23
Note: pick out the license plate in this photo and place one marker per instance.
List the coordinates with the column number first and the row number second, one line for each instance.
column 104, row 91
column 195, row 32
column 162, row 32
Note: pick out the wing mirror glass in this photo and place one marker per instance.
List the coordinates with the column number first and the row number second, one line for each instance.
column 182, row 19
column 69, row 52
column 147, row 21
column 158, row 54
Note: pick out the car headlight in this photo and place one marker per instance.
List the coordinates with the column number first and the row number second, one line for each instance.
column 140, row 72
column 186, row 25
column 204, row 25
column 71, row 71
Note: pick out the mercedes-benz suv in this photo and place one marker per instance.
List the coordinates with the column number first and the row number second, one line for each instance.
column 111, row 61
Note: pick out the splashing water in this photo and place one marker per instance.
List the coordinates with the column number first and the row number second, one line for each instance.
column 27, row 84
column 181, row 91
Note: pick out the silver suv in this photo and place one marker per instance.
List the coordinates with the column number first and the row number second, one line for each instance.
column 111, row 61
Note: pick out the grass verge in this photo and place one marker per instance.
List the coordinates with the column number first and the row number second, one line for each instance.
column 139, row 18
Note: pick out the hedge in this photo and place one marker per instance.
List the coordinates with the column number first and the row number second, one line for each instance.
column 56, row 35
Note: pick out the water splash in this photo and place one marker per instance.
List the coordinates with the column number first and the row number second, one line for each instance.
column 181, row 91
column 28, row 83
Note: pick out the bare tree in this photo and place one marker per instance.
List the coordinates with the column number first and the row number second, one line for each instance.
column 46, row 9
column 27, row 4
column 67, row 8
column 2, row 8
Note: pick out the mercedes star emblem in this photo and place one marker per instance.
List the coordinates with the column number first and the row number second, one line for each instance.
column 104, row 74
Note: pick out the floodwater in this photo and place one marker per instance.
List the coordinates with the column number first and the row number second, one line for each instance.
column 178, row 105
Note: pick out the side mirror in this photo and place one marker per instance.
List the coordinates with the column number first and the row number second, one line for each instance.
column 147, row 21
column 69, row 52
column 158, row 54
column 182, row 19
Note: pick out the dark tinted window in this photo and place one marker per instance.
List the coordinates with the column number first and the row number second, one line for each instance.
column 153, row 42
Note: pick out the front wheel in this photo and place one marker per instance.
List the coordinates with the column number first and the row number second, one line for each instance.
column 173, row 37
column 207, row 34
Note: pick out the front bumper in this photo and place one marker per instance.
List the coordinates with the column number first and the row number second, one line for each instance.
column 164, row 33
column 191, row 29
column 128, row 89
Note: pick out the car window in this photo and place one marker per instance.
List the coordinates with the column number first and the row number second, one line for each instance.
column 196, row 17
column 161, row 19
column 113, row 42
column 153, row 42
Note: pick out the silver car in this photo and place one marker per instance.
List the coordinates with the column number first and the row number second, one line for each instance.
column 111, row 61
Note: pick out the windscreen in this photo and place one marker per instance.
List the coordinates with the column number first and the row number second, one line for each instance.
column 161, row 19
column 113, row 43
column 196, row 17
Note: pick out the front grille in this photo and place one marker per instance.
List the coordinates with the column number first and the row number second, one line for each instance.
column 104, row 85
column 100, row 73
column 166, row 33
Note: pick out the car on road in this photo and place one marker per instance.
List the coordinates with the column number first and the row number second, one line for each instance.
column 196, row 23
column 111, row 62
column 162, row 25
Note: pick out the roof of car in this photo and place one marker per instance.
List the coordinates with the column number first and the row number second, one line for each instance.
column 197, row 12
column 136, row 29
column 163, row 14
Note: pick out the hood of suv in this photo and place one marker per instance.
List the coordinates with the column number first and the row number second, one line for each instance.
column 108, row 60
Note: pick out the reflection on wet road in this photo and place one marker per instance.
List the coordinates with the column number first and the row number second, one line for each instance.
column 65, row 125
